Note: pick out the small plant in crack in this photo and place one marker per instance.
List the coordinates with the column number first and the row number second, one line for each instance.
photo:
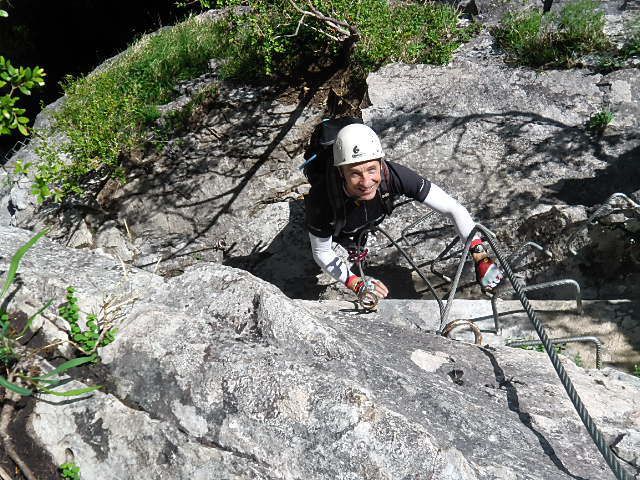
column 69, row 471
column 21, row 372
column 95, row 334
column 599, row 121
column 578, row 360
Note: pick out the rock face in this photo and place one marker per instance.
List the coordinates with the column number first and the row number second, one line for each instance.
column 221, row 371
column 516, row 143
column 506, row 142
column 216, row 374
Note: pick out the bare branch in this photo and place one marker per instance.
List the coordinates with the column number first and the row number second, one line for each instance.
column 33, row 353
column 343, row 29
column 4, row 475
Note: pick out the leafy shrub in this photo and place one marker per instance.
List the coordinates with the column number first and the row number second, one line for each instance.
column 553, row 39
column 13, row 353
column 15, row 81
column 599, row 121
column 271, row 41
column 70, row 471
column 108, row 113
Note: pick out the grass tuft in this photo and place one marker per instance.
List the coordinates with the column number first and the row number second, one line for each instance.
column 109, row 112
column 553, row 39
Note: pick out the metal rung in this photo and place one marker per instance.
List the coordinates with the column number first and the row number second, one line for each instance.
column 532, row 288
column 595, row 340
column 519, row 252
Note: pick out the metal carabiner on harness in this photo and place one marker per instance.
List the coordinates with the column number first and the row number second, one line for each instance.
column 358, row 255
column 368, row 300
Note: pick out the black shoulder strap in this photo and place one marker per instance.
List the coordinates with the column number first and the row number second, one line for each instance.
column 336, row 198
column 385, row 190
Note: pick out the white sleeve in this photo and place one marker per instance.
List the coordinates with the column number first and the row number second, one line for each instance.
column 441, row 202
column 327, row 259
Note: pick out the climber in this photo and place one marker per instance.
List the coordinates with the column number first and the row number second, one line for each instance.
column 357, row 193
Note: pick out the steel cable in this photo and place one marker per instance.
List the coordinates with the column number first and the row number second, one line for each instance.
column 597, row 437
column 519, row 290
column 416, row 268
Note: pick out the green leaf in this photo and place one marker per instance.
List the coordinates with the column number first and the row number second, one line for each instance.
column 23, row 130
column 72, row 393
column 15, row 261
column 52, row 383
column 25, row 392
column 3, row 13
column 69, row 364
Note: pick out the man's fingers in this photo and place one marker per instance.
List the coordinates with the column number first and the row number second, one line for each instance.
column 381, row 290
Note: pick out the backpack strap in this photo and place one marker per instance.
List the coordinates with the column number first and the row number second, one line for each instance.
column 336, row 199
column 384, row 191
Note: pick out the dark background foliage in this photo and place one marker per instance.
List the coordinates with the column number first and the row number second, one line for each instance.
column 73, row 37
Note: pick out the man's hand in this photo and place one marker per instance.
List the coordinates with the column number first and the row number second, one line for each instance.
column 488, row 274
column 357, row 285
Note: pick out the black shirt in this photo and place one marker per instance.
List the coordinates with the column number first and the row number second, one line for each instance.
column 358, row 214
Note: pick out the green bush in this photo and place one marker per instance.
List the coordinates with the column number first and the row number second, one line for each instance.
column 553, row 39
column 13, row 82
column 108, row 113
column 632, row 45
column 269, row 43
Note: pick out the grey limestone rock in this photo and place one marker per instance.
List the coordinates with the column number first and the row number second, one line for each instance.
column 110, row 239
column 81, row 237
column 629, row 448
column 217, row 374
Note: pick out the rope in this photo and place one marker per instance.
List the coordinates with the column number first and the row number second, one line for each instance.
column 416, row 268
column 597, row 437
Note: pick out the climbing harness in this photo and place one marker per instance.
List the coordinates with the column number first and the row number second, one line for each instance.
column 356, row 255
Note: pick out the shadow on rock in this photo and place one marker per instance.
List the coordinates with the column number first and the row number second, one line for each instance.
column 622, row 174
column 287, row 263
column 514, row 405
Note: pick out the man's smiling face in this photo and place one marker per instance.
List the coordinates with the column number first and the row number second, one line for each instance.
column 362, row 179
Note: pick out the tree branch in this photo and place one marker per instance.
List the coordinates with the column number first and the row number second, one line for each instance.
column 345, row 31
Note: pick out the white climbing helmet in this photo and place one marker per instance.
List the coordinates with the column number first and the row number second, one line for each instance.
column 356, row 143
